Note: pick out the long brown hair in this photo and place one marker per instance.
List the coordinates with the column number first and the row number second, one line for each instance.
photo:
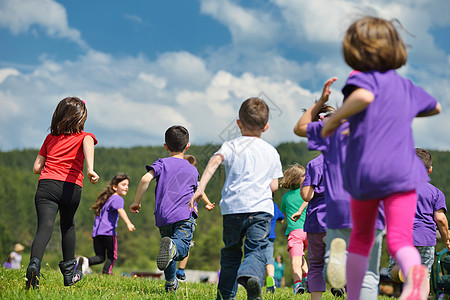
column 104, row 196
column 69, row 116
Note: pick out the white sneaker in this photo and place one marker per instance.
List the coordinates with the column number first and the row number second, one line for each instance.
column 83, row 264
column 337, row 264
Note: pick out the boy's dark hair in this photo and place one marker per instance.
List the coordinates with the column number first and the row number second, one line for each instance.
column 425, row 156
column 69, row 116
column 176, row 138
column 254, row 114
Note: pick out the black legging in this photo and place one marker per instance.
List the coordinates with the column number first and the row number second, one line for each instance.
column 104, row 244
column 53, row 196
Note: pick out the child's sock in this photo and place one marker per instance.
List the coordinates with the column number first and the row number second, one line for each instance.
column 407, row 257
column 356, row 268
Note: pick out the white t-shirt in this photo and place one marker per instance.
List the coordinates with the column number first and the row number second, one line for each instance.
column 250, row 166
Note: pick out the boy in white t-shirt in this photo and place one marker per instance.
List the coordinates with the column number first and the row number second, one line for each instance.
column 252, row 169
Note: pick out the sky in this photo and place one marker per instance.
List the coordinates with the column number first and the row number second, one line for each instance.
column 143, row 66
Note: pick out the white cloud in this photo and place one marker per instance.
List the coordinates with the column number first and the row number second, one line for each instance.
column 50, row 16
column 5, row 73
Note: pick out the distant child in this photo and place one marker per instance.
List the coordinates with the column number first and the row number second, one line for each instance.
column 209, row 206
column 430, row 212
column 252, row 168
column 297, row 243
column 337, row 199
column 60, row 163
column 279, row 271
column 381, row 164
column 176, row 182
column 16, row 256
column 270, row 268
column 107, row 209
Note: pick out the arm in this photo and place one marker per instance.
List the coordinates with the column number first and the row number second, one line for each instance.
column 296, row 216
column 210, row 169
column 38, row 164
column 88, row 150
column 356, row 102
column 208, row 204
column 307, row 192
column 142, row 188
column 442, row 225
column 274, row 185
column 127, row 221
column 308, row 116
column 435, row 111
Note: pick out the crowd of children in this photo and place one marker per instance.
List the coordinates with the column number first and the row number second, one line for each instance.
column 367, row 175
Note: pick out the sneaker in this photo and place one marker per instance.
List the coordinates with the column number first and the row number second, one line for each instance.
column 298, row 288
column 270, row 283
column 253, row 289
column 181, row 275
column 83, row 264
column 336, row 264
column 167, row 252
column 415, row 287
column 338, row 292
column 172, row 287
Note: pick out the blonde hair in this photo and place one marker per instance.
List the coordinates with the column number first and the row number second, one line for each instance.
column 292, row 177
column 372, row 43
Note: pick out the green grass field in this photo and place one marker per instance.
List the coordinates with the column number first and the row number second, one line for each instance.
column 95, row 286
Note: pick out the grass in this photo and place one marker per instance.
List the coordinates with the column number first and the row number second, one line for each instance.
column 95, row 286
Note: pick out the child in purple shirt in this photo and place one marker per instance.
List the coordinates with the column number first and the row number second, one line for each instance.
column 381, row 164
column 107, row 209
column 176, row 183
column 430, row 212
column 337, row 199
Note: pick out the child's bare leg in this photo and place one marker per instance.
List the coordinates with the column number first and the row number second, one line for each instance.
column 297, row 265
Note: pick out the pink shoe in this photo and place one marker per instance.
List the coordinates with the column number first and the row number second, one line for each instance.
column 416, row 284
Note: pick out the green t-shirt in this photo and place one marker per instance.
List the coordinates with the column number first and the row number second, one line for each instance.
column 289, row 205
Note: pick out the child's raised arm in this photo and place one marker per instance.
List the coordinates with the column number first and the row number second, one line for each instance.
column 356, row 102
column 88, row 150
column 308, row 116
column 142, row 188
column 210, row 169
column 125, row 218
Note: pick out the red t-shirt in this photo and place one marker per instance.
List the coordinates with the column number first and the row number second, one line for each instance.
column 64, row 157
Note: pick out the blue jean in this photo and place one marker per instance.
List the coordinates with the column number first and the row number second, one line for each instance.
column 181, row 234
column 255, row 227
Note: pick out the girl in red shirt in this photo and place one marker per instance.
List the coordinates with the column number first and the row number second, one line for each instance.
column 60, row 165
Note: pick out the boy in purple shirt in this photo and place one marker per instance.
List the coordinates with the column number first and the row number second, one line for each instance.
column 176, row 183
column 430, row 212
column 337, row 199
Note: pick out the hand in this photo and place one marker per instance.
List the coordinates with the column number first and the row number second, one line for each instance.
column 135, row 207
column 330, row 125
column 210, row 206
column 93, row 177
column 326, row 89
column 295, row 217
column 131, row 227
column 197, row 195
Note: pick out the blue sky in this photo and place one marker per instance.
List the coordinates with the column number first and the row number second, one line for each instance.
column 143, row 66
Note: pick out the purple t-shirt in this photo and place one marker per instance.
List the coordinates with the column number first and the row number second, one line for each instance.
column 176, row 182
column 381, row 159
column 106, row 223
column 429, row 200
column 316, row 212
column 337, row 199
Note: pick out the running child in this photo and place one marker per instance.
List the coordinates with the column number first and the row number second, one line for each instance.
column 176, row 182
column 430, row 213
column 278, row 217
column 60, row 165
column 381, row 164
column 292, row 203
column 107, row 209
column 252, row 168
column 337, row 200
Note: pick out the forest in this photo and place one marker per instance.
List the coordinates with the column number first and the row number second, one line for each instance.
column 137, row 250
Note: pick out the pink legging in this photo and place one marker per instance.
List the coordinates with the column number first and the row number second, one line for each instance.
column 399, row 209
